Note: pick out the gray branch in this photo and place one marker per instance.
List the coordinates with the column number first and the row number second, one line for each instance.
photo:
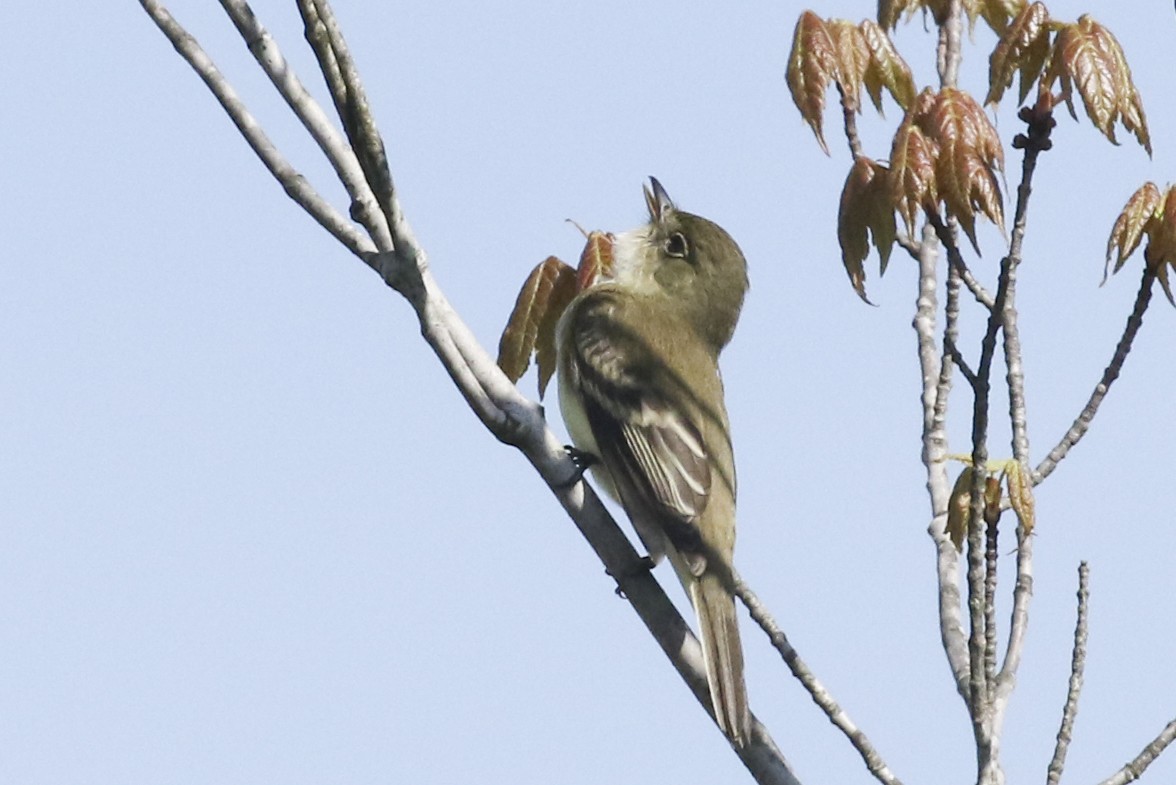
column 1110, row 374
column 838, row 716
column 392, row 250
column 1077, row 669
column 1134, row 770
column 295, row 185
column 936, row 370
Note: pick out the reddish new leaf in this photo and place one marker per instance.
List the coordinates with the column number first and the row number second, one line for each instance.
column 866, row 211
column 886, row 68
column 1086, row 56
column 1024, row 47
column 596, row 260
column 889, row 11
column 1161, row 245
column 996, row 13
column 970, row 155
column 531, row 326
column 849, row 47
column 912, row 166
column 812, row 64
column 1138, row 217
column 1129, row 102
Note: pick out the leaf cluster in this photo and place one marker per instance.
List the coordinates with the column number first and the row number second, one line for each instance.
column 946, row 150
column 1017, row 490
column 1151, row 214
column 850, row 56
column 545, row 295
column 1084, row 56
column 996, row 13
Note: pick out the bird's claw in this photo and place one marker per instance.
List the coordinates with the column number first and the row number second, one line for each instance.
column 582, row 461
column 643, row 566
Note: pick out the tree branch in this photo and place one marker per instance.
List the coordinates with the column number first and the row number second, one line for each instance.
column 947, row 236
column 1040, row 123
column 936, row 371
column 334, row 146
column 950, row 52
column 296, row 186
column 820, row 695
column 361, row 127
column 849, row 119
column 1077, row 669
column 1082, row 423
column 401, row 262
column 991, row 554
column 1134, row 770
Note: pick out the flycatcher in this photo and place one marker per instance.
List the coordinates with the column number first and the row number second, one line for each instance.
column 639, row 388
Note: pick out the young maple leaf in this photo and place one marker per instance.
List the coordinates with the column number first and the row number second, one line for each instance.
column 596, row 260
column 812, row 64
column 946, row 150
column 1020, row 496
column 531, row 326
column 912, row 164
column 1160, row 253
column 1139, row 217
column 996, row 13
column 889, row 11
column 866, row 211
column 545, row 295
column 970, row 155
column 850, row 55
column 886, row 68
column 853, row 58
column 1023, row 48
column 1087, row 56
column 1152, row 214
column 959, row 508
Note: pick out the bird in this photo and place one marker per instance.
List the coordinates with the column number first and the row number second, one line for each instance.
column 642, row 397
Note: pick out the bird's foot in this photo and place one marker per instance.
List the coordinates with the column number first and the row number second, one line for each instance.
column 642, row 566
column 582, row 461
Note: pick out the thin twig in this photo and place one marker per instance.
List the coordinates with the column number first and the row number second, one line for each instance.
column 949, row 51
column 404, row 265
column 296, row 186
column 1077, row 669
column 952, row 351
column 1040, row 123
column 365, row 135
column 982, row 295
column 991, row 554
column 333, row 144
column 912, row 247
column 982, row 633
column 936, row 377
column 816, row 690
column 1018, row 623
column 1082, row 423
column 955, row 259
column 951, row 354
column 1134, row 770
column 849, row 120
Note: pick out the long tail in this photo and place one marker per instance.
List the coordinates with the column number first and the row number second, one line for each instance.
column 719, row 630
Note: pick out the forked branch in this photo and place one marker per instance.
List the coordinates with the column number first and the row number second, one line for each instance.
column 390, row 249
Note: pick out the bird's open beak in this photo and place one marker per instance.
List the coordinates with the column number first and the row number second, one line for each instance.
column 657, row 200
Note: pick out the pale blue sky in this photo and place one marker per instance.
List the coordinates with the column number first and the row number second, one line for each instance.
column 249, row 532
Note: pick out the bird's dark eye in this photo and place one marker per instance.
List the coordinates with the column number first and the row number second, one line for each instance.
column 676, row 245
